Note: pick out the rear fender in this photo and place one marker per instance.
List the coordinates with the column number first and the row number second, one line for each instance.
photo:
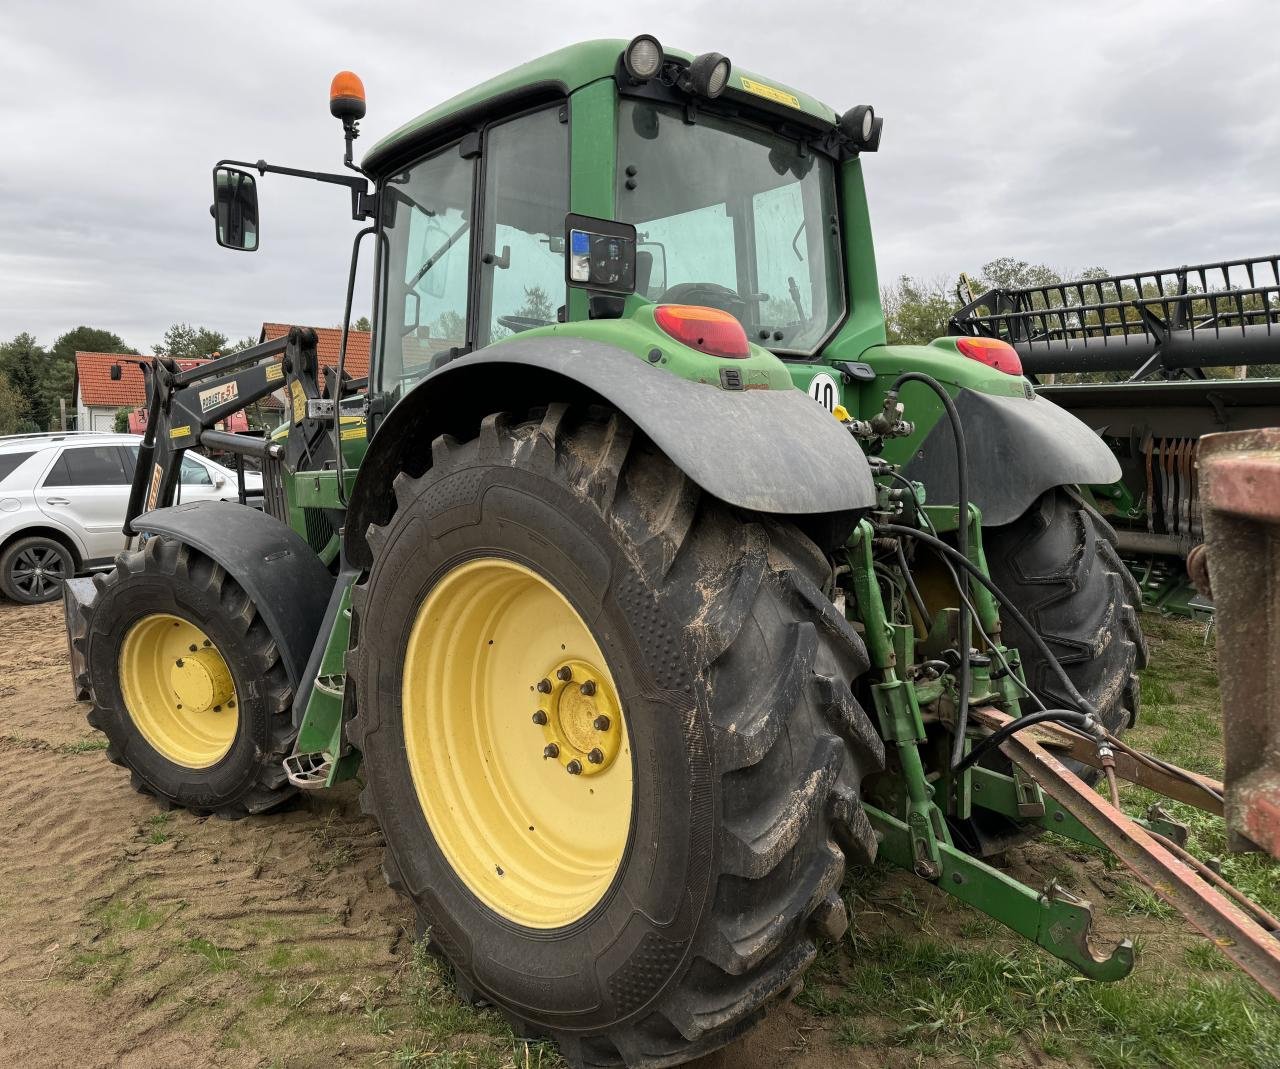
column 1018, row 448
column 771, row 451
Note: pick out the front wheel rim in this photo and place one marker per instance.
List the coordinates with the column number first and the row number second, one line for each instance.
column 178, row 690
column 517, row 743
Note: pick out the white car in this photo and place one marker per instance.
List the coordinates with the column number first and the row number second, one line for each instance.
column 63, row 497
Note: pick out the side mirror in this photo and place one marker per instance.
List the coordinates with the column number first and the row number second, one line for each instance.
column 235, row 208
column 601, row 254
column 219, row 481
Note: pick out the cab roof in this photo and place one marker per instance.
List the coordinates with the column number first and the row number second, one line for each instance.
column 559, row 74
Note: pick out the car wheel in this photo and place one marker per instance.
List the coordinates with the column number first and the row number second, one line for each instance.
column 33, row 569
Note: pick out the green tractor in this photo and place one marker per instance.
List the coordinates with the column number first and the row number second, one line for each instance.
column 635, row 645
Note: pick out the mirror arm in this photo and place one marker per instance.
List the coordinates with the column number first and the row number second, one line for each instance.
column 364, row 204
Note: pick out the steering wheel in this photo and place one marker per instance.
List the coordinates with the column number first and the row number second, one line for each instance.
column 519, row 323
column 709, row 294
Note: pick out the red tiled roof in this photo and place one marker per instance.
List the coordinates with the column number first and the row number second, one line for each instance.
column 328, row 341
column 97, row 387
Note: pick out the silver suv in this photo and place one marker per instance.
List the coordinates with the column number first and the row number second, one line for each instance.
column 62, row 503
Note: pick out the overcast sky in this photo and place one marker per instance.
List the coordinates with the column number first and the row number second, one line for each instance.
column 1126, row 135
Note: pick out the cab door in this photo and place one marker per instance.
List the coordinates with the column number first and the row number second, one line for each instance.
column 525, row 197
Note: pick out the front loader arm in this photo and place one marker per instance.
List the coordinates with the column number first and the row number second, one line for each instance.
column 184, row 407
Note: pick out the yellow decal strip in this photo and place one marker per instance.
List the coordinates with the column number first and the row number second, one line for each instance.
column 769, row 92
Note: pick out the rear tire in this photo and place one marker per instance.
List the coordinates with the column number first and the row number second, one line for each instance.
column 168, row 581
column 33, row 569
column 746, row 743
column 1059, row 565
column 1058, row 562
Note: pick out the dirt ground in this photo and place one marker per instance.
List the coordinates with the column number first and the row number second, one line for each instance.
column 130, row 937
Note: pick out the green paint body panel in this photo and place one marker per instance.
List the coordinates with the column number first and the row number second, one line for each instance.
column 321, row 730
column 638, row 333
column 567, row 70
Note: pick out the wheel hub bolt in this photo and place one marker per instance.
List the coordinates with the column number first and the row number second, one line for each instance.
column 588, row 688
column 539, row 718
column 601, row 723
column 551, row 750
column 544, row 686
column 596, row 756
column 179, row 662
column 574, row 767
column 564, row 674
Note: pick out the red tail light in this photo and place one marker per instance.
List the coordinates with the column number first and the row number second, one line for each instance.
column 709, row 330
column 993, row 352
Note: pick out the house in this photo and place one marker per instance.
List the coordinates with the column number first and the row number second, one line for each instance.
column 104, row 383
column 328, row 344
column 100, row 391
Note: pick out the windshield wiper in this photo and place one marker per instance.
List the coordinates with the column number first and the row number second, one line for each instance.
column 434, row 258
column 795, row 297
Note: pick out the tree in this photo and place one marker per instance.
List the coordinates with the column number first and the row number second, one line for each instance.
column 450, row 326
column 537, row 305
column 62, row 359
column 122, row 420
column 915, row 311
column 13, row 409
column 1010, row 273
column 362, row 324
column 24, row 364
column 182, row 341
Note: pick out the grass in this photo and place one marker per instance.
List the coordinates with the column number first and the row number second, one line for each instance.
column 944, row 1000
column 449, row 1034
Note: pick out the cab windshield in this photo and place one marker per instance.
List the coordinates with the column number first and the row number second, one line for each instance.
column 732, row 217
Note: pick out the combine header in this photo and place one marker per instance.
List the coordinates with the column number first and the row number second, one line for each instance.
column 1142, row 345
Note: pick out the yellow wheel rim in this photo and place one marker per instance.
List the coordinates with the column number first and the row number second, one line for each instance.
column 178, row 690
column 517, row 743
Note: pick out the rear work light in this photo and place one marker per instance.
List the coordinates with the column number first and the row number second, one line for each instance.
column 993, row 352
column 709, row 330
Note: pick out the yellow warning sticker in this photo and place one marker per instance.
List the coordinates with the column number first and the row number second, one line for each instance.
column 179, row 432
column 769, row 92
column 299, row 401
column 275, row 372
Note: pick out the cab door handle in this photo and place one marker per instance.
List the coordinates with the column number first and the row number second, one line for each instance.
column 56, row 501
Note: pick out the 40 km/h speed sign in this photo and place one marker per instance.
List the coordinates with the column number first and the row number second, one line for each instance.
column 823, row 389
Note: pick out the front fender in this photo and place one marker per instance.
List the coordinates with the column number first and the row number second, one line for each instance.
column 1018, row 448
column 276, row 568
column 771, row 451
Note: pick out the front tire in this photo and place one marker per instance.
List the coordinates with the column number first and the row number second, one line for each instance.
column 187, row 683
column 743, row 743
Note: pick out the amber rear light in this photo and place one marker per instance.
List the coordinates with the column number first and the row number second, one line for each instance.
column 709, row 330
column 993, row 352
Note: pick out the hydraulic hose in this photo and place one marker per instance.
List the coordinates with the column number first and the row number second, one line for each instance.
column 1064, row 716
column 1014, row 613
column 962, row 544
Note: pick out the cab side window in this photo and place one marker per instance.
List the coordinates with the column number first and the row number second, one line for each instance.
column 526, row 197
column 426, row 224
